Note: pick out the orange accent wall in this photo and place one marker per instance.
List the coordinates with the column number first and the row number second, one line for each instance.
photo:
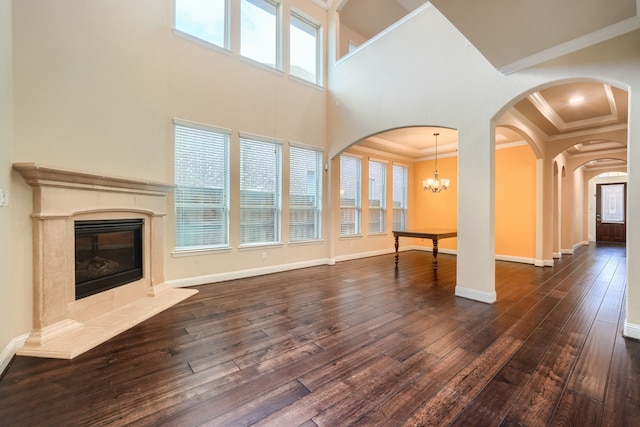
column 436, row 209
column 515, row 195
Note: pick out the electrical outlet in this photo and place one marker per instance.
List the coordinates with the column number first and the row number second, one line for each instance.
column 264, row 255
column 2, row 198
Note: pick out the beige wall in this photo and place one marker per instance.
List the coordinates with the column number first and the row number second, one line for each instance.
column 97, row 86
column 15, row 308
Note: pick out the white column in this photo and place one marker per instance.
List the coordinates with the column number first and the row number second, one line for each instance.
column 476, row 214
column 632, row 322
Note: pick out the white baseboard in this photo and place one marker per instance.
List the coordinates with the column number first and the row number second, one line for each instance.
column 476, row 295
column 10, row 350
column 557, row 255
column 365, row 254
column 583, row 243
column 544, row 263
column 241, row 274
column 631, row 330
column 566, row 251
column 521, row 260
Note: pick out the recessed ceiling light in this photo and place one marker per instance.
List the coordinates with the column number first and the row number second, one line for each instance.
column 576, row 99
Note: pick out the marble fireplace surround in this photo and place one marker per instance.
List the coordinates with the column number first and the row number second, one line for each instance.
column 63, row 327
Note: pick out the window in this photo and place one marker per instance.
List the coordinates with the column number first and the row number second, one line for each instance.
column 305, row 194
column 202, row 187
column 377, row 196
column 612, row 203
column 259, row 31
column 204, row 19
column 350, row 199
column 304, row 49
column 260, row 191
column 399, row 196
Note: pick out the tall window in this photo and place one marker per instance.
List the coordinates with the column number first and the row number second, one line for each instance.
column 612, row 199
column 202, row 187
column 399, row 197
column 304, row 49
column 350, row 198
column 260, row 191
column 377, row 196
column 305, row 194
column 259, row 31
column 204, row 19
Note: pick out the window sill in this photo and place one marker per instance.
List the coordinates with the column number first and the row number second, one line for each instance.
column 306, row 242
column 258, row 246
column 196, row 252
column 350, row 236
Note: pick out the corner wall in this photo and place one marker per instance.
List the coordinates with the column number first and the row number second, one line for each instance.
column 13, row 319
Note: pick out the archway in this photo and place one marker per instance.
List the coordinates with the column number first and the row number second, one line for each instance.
column 560, row 130
column 407, row 155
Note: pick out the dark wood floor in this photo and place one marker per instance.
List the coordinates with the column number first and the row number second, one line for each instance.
column 359, row 343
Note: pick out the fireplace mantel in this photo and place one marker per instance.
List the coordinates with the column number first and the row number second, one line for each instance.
column 64, row 327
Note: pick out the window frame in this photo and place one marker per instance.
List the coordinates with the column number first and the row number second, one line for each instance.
column 277, row 195
column 306, row 20
column 402, row 209
column 277, row 65
column 226, row 44
column 223, row 208
column 318, row 183
column 382, row 209
column 357, row 207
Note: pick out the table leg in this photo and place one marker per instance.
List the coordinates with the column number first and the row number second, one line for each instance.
column 435, row 254
column 396, row 244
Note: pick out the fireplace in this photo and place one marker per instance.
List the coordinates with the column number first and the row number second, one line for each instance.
column 108, row 254
column 98, row 258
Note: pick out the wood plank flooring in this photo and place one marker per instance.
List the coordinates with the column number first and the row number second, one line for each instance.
column 359, row 344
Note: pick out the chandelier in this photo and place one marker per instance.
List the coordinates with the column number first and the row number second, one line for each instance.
column 436, row 185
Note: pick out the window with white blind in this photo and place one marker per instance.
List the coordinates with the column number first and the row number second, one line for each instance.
column 260, row 191
column 204, row 19
column 259, row 31
column 304, row 49
column 399, row 196
column 202, row 187
column 305, row 194
column 377, row 196
column 350, row 195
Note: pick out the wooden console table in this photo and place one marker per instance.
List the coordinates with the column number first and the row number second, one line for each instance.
column 434, row 234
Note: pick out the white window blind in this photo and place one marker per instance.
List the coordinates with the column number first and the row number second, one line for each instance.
column 305, row 194
column 259, row 31
column 260, row 191
column 350, row 195
column 304, row 49
column 204, row 19
column 399, row 196
column 202, row 188
column 377, row 196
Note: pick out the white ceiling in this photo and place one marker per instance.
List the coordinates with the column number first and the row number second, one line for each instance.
column 512, row 35
column 517, row 34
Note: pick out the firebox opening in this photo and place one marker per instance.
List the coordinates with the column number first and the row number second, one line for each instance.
column 108, row 254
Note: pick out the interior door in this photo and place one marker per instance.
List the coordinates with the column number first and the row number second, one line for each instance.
column 611, row 213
